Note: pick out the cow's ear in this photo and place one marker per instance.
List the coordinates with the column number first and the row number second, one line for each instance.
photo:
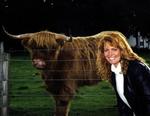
column 60, row 41
column 25, row 42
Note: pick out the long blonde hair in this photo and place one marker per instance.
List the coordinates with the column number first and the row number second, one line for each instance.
column 117, row 39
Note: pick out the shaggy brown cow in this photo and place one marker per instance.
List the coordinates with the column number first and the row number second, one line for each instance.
column 65, row 64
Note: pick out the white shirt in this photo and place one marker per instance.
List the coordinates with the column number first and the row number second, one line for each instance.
column 120, row 82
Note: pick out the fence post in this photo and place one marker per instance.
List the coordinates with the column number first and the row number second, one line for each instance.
column 3, row 81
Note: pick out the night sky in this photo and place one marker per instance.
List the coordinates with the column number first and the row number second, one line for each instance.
column 75, row 17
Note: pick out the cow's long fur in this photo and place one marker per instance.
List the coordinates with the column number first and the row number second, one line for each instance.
column 69, row 65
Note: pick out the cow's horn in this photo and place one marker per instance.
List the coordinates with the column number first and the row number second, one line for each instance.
column 21, row 36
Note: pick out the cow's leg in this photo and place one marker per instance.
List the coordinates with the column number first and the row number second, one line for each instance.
column 62, row 107
column 63, row 99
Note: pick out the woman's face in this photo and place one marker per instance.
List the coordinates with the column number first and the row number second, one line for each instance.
column 112, row 54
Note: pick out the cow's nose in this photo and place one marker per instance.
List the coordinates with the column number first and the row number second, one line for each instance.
column 38, row 63
column 35, row 61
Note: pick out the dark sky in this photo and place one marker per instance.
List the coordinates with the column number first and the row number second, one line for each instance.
column 76, row 17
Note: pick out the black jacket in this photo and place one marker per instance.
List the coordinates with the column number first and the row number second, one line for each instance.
column 136, row 90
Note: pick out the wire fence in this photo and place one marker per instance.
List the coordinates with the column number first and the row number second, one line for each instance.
column 23, row 78
column 22, row 102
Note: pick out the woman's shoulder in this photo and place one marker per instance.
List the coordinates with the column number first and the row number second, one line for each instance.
column 138, row 66
column 138, row 73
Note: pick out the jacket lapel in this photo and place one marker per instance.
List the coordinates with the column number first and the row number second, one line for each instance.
column 129, row 92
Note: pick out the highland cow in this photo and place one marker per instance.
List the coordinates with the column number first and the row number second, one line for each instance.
column 66, row 63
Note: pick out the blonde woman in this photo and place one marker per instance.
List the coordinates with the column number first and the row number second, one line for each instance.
column 128, row 73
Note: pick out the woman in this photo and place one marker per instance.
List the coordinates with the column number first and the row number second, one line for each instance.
column 128, row 73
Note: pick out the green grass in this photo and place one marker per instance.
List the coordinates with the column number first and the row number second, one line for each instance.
column 27, row 95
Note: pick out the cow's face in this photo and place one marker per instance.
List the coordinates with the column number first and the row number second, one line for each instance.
column 43, row 48
column 42, row 58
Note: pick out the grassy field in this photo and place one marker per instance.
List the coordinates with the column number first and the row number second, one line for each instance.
column 28, row 97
